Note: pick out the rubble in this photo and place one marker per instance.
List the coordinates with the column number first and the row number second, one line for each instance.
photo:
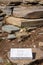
column 20, row 34
column 7, row 11
column 14, row 3
column 41, row 2
column 41, row 33
column 32, row 1
column 28, row 12
column 23, row 29
column 34, row 15
column 2, row 15
column 21, row 22
column 0, row 31
column 1, row 23
column 31, row 29
column 10, row 28
column 1, row 60
column 40, row 43
column 11, row 36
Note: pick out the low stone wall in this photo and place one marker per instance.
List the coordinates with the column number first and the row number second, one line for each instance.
column 7, row 1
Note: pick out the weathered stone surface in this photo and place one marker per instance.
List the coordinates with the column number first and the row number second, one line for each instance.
column 14, row 3
column 8, row 1
column 1, row 23
column 1, row 11
column 34, row 15
column 20, row 34
column 14, row 21
column 11, row 36
column 31, row 29
column 1, row 60
column 10, row 28
column 31, row 1
column 41, row 44
column 24, row 22
column 7, row 11
column 2, row 15
column 41, row 2
column 30, row 12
